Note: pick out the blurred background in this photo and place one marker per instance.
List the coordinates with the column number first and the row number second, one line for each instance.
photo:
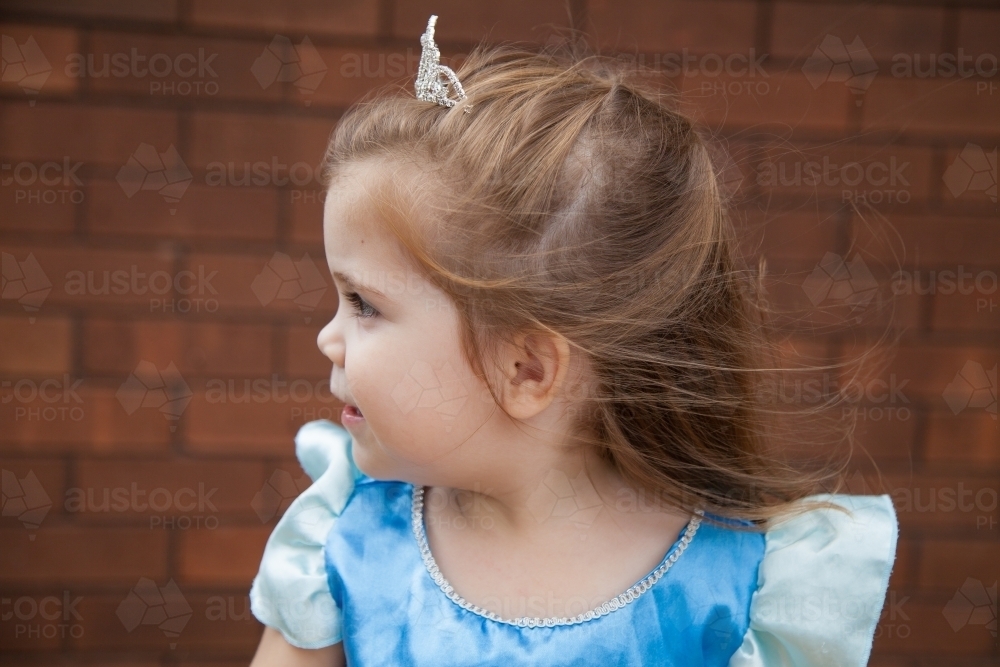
column 164, row 280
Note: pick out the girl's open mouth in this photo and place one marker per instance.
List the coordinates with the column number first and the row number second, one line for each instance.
column 350, row 415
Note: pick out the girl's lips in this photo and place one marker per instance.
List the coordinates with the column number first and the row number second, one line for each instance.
column 350, row 416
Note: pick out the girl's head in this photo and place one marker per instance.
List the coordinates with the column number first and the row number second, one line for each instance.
column 559, row 258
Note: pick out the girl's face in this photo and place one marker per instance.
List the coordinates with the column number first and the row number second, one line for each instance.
column 394, row 344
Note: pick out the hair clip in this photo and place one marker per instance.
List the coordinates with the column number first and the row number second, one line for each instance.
column 429, row 85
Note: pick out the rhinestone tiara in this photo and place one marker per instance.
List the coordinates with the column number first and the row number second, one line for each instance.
column 429, row 85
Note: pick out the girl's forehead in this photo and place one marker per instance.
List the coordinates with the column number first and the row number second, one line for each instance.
column 355, row 234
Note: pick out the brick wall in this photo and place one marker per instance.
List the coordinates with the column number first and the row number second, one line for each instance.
column 141, row 271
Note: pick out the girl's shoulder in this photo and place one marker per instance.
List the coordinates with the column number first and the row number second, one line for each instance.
column 821, row 584
column 291, row 591
column 814, row 583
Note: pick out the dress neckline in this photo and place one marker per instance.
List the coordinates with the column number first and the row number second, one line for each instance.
column 615, row 603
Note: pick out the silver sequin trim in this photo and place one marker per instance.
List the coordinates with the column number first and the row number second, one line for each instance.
column 417, row 517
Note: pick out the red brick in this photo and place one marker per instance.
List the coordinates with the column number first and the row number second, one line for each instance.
column 353, row 73
column 792, row 305
column 968, row 439
column 51, row 475
column 202, row 634
column 889, row 439
column 55, row 44
column 236, row 274
column 929, row 369
column 232, row 138
column 978, row 30
column 877, row 660
column 963, row 197
column 936, row 504
column 204, row 491
column 783, row 102
column 904, row 568
column 521, row 20
column 237, row 417
column 945, row 564
column 922, row 630
column 885, row 30
column 203, row 212
column 715, row 26
column 120, row 278
column 98, row 555
column 41, row 348
column 103, row 428
column 37, row 207
column 979, row 311
column 789, row 239
column 305, row 211
column 227, row 556
column 210, row 69
column 951, row 107
column 116, row 346
column 312, row 17
column 304, row 358
column 936, row 241
column 881, row 175
column 137, row 10
column 93, row 134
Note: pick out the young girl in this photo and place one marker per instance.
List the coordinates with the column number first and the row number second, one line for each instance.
column 554, row 449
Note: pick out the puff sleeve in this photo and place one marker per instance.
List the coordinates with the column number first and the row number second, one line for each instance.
column 821, row 585
column 291, row 591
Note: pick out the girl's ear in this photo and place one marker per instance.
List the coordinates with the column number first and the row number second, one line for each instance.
column 534, row 371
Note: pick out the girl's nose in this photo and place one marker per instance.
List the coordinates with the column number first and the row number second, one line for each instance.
column 331, row 343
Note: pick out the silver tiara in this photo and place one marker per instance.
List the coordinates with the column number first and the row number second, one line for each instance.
column 429, row 85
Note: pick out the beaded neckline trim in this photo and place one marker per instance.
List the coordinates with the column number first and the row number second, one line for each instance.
column 419, row 532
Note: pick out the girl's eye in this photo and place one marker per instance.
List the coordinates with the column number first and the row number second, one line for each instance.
column 361, row 307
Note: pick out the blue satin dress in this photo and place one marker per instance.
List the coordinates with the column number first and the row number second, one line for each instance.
column 349, row 562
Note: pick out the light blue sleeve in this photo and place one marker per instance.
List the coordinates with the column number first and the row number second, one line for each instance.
column 821, row 586
column 291, row 592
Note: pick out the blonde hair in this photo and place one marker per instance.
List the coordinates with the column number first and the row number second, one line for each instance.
column 573, row 199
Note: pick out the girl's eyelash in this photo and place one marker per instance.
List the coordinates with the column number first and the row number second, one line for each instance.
column 361, row 308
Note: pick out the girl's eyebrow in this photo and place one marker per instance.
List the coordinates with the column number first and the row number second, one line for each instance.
column 357, row 286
